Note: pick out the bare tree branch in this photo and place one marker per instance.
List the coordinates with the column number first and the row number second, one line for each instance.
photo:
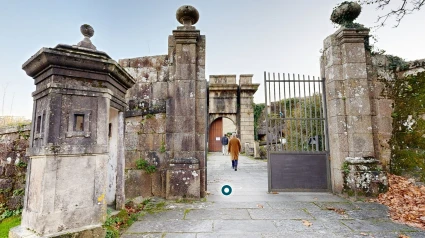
column 405, row 7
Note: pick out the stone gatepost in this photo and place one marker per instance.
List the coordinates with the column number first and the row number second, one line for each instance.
column 344, row 67
column 76, row 138
column 247, row 90
column 186, row 109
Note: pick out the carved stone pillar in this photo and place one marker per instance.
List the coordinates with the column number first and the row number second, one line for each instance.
column 76, row 89
column 347, row 92
column 186, row 109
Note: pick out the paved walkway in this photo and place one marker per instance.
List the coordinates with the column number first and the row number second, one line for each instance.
column 250, row 212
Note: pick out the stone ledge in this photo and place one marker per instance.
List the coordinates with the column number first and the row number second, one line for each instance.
column 87, row 231
column 360, row 160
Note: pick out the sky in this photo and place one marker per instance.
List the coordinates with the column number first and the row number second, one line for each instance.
column 242, row 36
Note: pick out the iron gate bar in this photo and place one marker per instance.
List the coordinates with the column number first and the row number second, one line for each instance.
column 298, row 124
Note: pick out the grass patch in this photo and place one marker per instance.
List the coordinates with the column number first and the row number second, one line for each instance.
column 8, row 223
column 116, row 224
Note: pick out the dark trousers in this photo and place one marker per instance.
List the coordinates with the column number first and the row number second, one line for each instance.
column 234, row 164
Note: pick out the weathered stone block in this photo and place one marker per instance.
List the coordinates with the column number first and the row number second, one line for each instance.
column 333, row 56
column 157, row 184
column 384, row 125
column 358, row 106
column 92, row 232
column 137, row 183
column 130, row 158
column 339, row 125
column 185, row 71
column 183, row 179
column 169, row 138
column 357, row 88
column 354, row 71
column 201, row 107
column 185, row 89
column 364, row 176
column 333, row 73
column 159, row 90
column 184, row 142
column 184, row 106
column 336, row 107
column 146, row 142
column 361, row 145
column 339, row 143
column 201, row 89
column 384, row 107
column 200, row 142
column 200, row 124
column 184, row 124
column 359, row 124
column 353, row 53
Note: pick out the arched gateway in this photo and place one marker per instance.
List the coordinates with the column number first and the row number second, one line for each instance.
column 226, row 99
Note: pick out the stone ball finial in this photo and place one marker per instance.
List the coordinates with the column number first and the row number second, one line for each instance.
column 87, row 30
column 345, row 13
column 187, row 15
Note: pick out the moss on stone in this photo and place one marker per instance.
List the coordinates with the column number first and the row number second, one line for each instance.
column 408, row 140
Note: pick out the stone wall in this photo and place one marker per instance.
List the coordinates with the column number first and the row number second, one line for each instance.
column 146, row 125
column 13, row 166
column 408, row 136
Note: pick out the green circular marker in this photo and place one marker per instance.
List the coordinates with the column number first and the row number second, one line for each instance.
column 226, row 190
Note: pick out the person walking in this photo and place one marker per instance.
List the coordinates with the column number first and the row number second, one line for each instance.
column 234, row 150
column 224, row 143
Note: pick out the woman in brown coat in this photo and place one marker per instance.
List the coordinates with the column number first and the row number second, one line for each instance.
column 234, row 149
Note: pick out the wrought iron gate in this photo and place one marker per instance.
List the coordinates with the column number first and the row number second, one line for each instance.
column 297, row 139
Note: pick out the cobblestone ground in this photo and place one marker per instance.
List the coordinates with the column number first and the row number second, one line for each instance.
column 249, row 211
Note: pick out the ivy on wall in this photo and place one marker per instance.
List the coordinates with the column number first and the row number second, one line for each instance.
column 408, row 140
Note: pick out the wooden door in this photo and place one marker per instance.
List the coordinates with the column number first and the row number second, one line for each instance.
column 215, row 134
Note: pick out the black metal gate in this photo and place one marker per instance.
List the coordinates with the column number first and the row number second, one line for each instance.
column 297, row 139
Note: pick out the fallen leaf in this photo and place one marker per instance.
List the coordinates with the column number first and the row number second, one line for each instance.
column 405, row 200
column 307, row 223
column 403, row 236
column 337, row 210
column 260, row 206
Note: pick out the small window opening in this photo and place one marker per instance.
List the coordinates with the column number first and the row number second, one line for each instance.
column 110, row 130
column 42, row 122
column 38, row 128
column 79, row 122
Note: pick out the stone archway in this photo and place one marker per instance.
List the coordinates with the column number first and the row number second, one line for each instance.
column 217, row 128
column 226, row 99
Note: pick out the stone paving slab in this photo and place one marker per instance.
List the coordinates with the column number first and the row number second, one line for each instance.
column 223, row 214
column 243, row 226
column 275, row 214
column 229, row 235
column 291, row 205
column 163, row 216
column 368, row 214
column 251, row 212
column 345, row 205
column 171, row 226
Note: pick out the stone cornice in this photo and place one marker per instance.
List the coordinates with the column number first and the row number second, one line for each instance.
column 351, row 35
column 223, row 87
column 78, row 58
column 186, row 36
column 249, row 87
